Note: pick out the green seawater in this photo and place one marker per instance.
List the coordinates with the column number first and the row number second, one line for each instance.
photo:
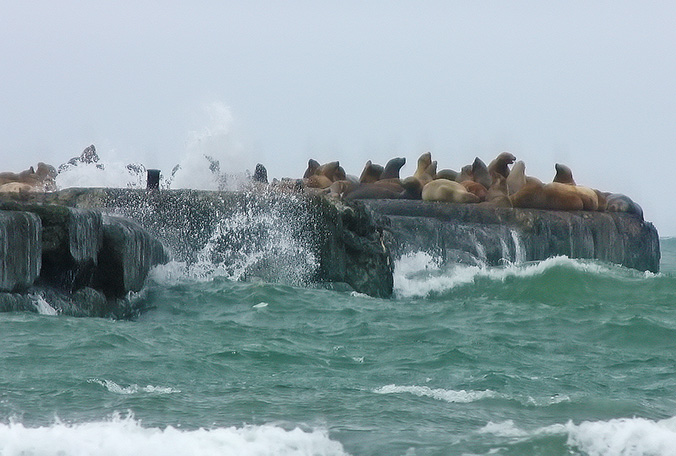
column 561, row 357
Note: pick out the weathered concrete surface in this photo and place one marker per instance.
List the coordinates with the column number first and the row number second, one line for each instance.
column 482, row 235
column 21, row 247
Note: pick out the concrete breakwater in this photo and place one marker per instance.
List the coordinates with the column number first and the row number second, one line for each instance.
column 83, row 250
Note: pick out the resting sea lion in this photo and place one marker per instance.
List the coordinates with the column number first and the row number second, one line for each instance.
column 475, row 188
column 564, row 175
column 448, row 191
column 498, row 195
column 446, row 174
column 517, row 177
column 617, row 202
column 500, row 164
column 552, row 196
column 329, row 170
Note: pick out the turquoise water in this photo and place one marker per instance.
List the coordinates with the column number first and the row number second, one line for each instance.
column 562, row 357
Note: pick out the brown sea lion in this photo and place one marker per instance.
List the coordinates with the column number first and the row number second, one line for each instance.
column 371, row 173
column 500, row 164
column 498, row 194
column 564, row 175
column 373, row 191
column 329, row 170
column 476, row 188
column 392, row 168
column 448, row 191
column 412, row 188
column 517, row 177
column 552, row 196
column 312, row 167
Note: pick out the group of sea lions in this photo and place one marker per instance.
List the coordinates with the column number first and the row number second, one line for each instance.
column 503, row 183
column 30, row 180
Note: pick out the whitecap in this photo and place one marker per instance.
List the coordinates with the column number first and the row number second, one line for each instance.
column 460, row 396
column 125, row 436
column 624, row 437
column 419, row 274
column 132, row 389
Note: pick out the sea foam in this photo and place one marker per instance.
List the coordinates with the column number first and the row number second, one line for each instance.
column 420, row 274
column 125, row 436
column 440, row 394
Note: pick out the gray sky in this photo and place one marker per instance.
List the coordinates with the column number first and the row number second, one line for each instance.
column 588, row 84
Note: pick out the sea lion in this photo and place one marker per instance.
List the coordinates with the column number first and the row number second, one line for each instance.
column 17, row 187
column 498, row 194
column 603, row 202
column 517, row 177
column 329, row 170
column 564, row 175
column 392, row 168
column 448, row 191
column 617, row 202
column 412, row 188
column 552, row 196
column 424, row 161
column 476, row 188
column 373, row 191
column 480, row 173
column 339, row 174
column 446, row 174
column 465, row 174
column 317, row 181
column 371, row 173
column 312, row 167
column 500, row 164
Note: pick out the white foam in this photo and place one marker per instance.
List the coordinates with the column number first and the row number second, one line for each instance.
column 503, row 429
column 419, row 274
column 103, row 174
column 624, row 437
column 133, row 389
column 126, row 436
column 460, row 396
column 42, row 306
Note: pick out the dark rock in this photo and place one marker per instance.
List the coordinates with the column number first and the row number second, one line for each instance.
column 127, row 254
column 20, row 249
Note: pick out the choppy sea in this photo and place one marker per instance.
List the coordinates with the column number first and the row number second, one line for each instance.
column 559, row 357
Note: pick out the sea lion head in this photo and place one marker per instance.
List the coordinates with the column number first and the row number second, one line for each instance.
column 563, row 174
column 312, row 167
column 371, row 173
column 392, row 168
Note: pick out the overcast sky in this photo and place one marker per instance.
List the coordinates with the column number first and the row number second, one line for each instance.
column 588, row 84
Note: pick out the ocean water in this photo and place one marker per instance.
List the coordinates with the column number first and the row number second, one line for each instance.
column 560, row 357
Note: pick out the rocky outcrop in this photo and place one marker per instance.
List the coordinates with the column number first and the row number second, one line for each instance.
column 72, row 261
column 492, row 236
column 299, row 239
column 21, row 246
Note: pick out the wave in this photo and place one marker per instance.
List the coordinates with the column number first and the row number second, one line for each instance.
column 453, row 396
column 420, row 274
column 624, row 437
column 132, row 389
column 615, row 437
column 125, row 435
